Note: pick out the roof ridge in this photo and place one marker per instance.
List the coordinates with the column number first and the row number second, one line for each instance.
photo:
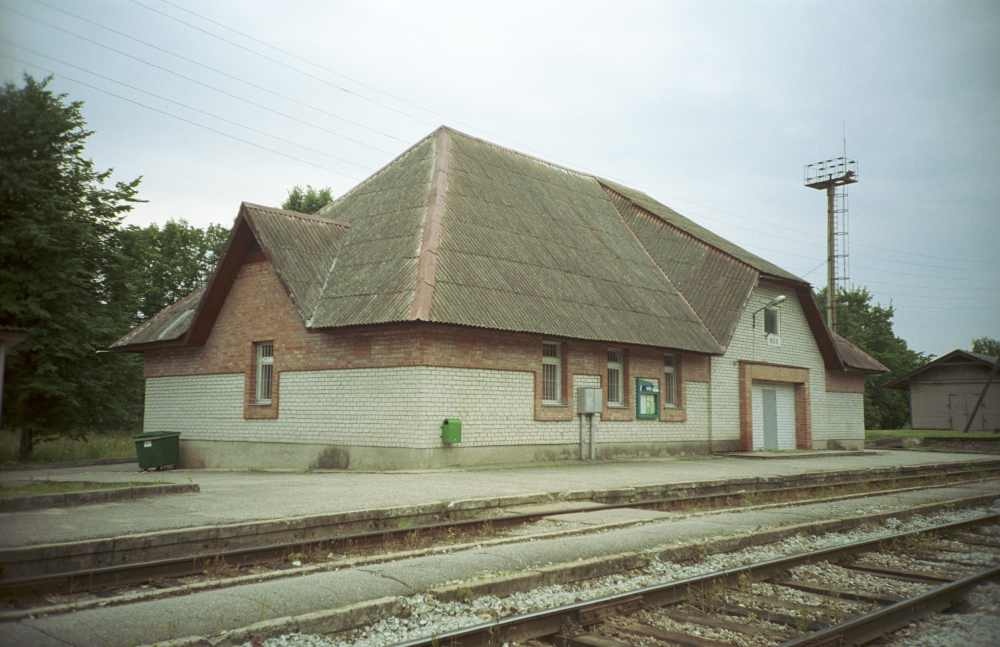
column 514, row 151
column 380, row 170
column 298, row 214
column 430, row 236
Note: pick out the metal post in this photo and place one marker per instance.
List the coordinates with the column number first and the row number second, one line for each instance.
column 593, row 447
column 831, row 265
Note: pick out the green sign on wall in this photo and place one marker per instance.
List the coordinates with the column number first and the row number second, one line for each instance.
column 647, row 399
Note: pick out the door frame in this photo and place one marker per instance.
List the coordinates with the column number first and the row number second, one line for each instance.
column 765, row 372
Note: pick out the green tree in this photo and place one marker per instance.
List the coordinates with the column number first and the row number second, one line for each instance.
column 159, row 265
column 986, row 346
column 308, row 200
column 57, row 242
column 869, row 325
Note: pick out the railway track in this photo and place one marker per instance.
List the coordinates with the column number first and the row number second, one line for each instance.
column 132, row 574
column 784, row 601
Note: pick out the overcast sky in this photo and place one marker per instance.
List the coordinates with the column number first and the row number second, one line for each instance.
column 711, row 107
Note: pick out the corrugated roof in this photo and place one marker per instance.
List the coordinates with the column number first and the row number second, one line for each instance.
column 853, row 357
column 374, row 276
column 715, row 284
column 969, row 357
column 301, row 248
column 528, row 246
column 462, row 231
column 169, row 324
column 697, row 231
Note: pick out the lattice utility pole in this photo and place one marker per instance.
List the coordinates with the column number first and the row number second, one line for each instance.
column 833, row 176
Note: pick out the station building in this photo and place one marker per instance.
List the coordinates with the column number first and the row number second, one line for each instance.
column 466, row 281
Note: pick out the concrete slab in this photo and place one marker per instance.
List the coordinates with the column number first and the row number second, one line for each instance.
column 422, row 573
column 205, row 613
column 229, row 497
column 552, row 508
column 615, row 515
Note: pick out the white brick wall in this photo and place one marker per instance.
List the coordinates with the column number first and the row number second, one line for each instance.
column 503, row 412
column 835, row 416
column 403, row 407
column 398, row 407
column 845, row 416
column 370, row 407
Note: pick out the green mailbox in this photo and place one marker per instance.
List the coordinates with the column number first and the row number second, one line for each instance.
column 451, row 431
column 647, row 399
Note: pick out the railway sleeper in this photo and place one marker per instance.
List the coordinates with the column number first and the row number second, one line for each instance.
column 922, row 577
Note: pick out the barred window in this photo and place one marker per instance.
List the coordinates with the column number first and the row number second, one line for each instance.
column 616, row 378
column 551, row 372
column 264, row 365
column 670, row 380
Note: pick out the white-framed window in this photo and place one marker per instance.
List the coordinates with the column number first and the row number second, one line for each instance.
column 772, row 321
column 670, row 380
column 263, row 352
column 616, row 378
column 551, row 372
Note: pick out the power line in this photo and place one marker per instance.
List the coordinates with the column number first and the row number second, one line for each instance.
column 276, row 61
column 730, row 223
column 191, row 80
column 173, row 116
column 228, row 75
column 295, row 56
column 785, row 227
column 178, row 103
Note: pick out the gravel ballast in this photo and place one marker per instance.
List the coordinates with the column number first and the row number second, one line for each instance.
column 426, row 616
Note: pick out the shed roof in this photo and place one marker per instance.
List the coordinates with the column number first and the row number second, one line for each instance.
column 962, row 356
column 462, row 231
column 855, row 358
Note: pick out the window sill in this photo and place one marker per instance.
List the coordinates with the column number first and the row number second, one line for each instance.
column 613, row 405
column 553, row 403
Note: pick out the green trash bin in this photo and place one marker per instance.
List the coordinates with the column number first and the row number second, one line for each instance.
column 157, row 449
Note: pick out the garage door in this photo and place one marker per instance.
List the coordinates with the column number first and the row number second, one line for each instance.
column 773, row 415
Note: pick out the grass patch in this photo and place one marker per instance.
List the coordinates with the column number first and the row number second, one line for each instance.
column 874, row 434
column 61, row 450
column 33, row 488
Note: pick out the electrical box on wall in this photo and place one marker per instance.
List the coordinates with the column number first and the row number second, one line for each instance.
column 588, row 400
column 647, row 399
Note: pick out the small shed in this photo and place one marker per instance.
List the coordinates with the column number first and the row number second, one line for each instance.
column 944, row 392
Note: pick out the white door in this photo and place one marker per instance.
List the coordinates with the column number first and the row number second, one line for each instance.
column 773, row 408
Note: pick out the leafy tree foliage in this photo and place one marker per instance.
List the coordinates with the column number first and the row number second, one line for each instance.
column 57, row 240
column 159, row 265
column 308, row 200
column 869, row 325
column 986, row 346
column 74, row 276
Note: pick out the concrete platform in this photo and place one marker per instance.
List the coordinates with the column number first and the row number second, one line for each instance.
column 234, row 497
column 208, row 613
